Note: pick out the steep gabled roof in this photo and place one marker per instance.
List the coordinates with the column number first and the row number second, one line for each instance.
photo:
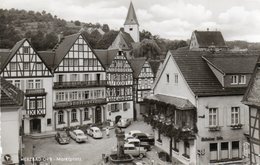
column 10, row 95
column 201, row 80
column 233, row 62
column 48, row 58
column 155, row 64
column 63, row 48
column 137, row 65
column 131, row 18
column 128, row 39
column 3, row 58
column 209, row 38
column 106, row 56
column 252, row 95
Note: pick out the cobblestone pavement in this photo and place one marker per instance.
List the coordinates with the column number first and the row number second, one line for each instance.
column 89, row 153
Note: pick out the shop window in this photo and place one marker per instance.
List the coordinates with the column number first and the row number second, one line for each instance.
column 213, row 148
column 224, row 150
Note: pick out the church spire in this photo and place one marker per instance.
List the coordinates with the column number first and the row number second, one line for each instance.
column 131, row 18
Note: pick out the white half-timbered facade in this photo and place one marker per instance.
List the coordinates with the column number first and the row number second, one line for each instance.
column 79, row 82
column 24, row 68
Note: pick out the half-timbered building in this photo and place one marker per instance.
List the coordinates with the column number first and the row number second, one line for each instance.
column 143, row 81
column 24, row 68
column 252, row 99
column 119, row 75
column 79, row 81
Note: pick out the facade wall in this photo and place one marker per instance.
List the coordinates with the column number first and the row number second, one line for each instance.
column 133, row 30
column 226, row 133
column 129, row 113
column 10, row 132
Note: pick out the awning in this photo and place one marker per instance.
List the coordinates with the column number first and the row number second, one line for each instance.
column 179, row 103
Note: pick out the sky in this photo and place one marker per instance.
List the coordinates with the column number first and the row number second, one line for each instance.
column 170, row 19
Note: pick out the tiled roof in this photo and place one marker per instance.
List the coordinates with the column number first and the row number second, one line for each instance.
column 3, row 58
column 106, row 56
column 208, row 38
column 48, row 58
column 137, row 65
column 234, row 62
column 199, row 76
column 252, row 95
column 128, row 39
column 155, row 64
column 131, row 18
column 180, row 103
column 10, row 95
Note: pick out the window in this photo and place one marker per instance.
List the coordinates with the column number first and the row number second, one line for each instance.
column 30, row 84
column 235, row 115
column 32, row 104
column 26, row 50
column 60, row 78
column 86, row 77
column 86, row 114
column 235, row 149
column 76, row 62
column 38, row 84
column 48, row 121
column 167, row 78
column 242, row 79
column 234, row 79
column 91, row 62
column 65, row 62
column 39, row 66
column 86, row 94
column 74, row 115
column 26, row 65
column 126, row 106
column 60, row 117
column 213, row 117
column 60, row 96
column 74, row 95
column 213, row 148
column 17, row 84
column 71, row 62
column 176, row 78
column 114, row 107
column 73, row 77
column 224, row 150
column 85, row 62
column 186, row 149
column 81, row 47
column 12, row 66
column 39, row 104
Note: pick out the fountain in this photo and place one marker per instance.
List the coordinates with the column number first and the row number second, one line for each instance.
column 120, row 157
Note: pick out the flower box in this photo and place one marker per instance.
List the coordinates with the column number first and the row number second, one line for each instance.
column 236, row 126
column 214, row 128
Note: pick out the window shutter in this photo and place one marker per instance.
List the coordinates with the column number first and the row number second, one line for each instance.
column 120, row 106
column 220, row 116
column 206, row 113
column 228, row 115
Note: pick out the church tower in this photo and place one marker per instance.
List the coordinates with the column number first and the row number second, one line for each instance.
column 131, row 24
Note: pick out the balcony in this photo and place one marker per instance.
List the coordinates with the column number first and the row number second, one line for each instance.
column 79, row 103
column 35, row 92
column 36, row 112
column 79, row 84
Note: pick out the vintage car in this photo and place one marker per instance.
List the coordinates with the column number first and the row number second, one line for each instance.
column 132, row 150
column 124, row 123
column 62, row 137
column 143, row 137
column 95, row 132
column 78, row 135
column 138, row 143
column 131, row 133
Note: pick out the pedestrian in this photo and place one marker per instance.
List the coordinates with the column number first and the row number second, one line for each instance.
column 107, row 132
column 22, row 161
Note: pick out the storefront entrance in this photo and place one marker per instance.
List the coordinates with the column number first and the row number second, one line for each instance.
column 98, row 115
column 35, row 125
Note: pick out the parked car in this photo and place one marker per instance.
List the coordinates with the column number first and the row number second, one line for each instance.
column 62, row 137
column 78, row 135
column 143, row 137
column 131, row 133
column 132, row 149
column 138, row 143
column 124, row 123
column 95, row 132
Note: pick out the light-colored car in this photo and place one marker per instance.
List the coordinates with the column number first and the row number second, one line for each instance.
column 95, row 132
column 138, row 143
column 132, row 150
column 131, row 134
column 78, row 135
column 124, row 123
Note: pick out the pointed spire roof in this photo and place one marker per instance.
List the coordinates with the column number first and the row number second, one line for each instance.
column 131, row 18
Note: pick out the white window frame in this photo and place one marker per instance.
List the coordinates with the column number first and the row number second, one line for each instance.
column 30, row 84
column 234, row 79
column 38, row 84
column 235, row 115
column 13, row 66
column 40, row 103
column 17, row 84
column 242, row 79
column 74, row 77
column 26, row 65
column 176, row 78
column 213, row 117
column 38, row 66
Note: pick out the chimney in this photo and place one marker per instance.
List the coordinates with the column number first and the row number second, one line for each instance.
column 60, row 37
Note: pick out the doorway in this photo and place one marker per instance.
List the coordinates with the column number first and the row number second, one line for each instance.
column 117, row 118
column 98, row 115
column 35, row 125
column 98, row 78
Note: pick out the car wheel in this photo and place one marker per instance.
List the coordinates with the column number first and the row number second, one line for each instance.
column 141, row 156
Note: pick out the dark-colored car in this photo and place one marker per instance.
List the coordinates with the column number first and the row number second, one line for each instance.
column 62, row 137
column 144, row 138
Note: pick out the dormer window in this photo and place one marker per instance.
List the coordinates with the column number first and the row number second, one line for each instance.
column 234, row 79
column 242, row 79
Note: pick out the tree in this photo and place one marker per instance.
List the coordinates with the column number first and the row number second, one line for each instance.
column 77, row 23
column 148, row 48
